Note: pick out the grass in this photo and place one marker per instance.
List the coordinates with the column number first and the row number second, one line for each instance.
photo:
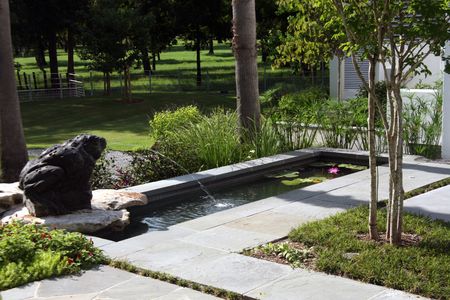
column 420, row 269
column 125, row 126
column 175, row 71
column 339, row 245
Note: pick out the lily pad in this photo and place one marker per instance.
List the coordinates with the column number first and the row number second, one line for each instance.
column 285, row 175
column 303, row 181
column 353, row 167
column 321, row 164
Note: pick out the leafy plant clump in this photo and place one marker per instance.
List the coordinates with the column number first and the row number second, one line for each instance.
column 29, row 252
column 420, row 268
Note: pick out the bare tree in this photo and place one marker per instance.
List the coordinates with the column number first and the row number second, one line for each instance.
column 244, row 46
column 13, row 149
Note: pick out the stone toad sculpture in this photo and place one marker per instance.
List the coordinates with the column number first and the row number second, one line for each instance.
column 58, row 181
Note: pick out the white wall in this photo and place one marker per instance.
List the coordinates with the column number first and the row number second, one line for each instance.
column 434, row 63
column 446, row 111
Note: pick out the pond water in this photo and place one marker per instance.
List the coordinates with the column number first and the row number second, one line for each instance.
column 197, row 205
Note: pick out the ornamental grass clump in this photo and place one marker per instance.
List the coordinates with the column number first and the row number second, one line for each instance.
column 29, row 252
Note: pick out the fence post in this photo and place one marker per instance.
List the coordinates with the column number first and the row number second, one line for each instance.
column 34, row 81
column 25, row 80
column 44, row 74
column 30, row 93
column 19, row 79
column 150, row 82
column 91, row 83
column 61, row 95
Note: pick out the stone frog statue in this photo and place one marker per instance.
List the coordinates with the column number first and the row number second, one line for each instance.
column 58, row 181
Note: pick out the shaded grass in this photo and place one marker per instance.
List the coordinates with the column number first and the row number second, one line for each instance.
column 421, row 269
column 125, row 126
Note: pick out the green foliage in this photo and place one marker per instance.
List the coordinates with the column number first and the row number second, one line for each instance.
column 420, row 269
column 423, row 125
column 293, row 256
column 29, row 252
column 167, row 122
column 297, row 115
column 213, row 140
column 380, row 91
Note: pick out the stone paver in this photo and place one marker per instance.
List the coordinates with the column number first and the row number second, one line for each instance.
column 170, row 255
column 233, row 272
column 303, row 284
column 103, row 283
column 434, row 204
column 230, row 239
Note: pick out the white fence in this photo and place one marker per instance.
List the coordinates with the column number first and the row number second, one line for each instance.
column 73, row 88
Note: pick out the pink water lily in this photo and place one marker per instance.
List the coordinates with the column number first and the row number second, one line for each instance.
column 333, row 170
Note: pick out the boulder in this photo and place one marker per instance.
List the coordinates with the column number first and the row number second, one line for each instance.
column 10, row 195
column 84, row 221
column 116, row 200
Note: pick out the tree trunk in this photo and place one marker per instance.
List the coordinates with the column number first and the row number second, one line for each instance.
column 107, row 83
column 146, row 62
column 373, row 231
column 153, row 61
column 339, row 79
column 197, row 49
column 127, row 84
column 53, row 57
column 13, row 150
column 211, row 46
column 70, row 54
column 245, row 53
column 159, row 55
column 40, row 55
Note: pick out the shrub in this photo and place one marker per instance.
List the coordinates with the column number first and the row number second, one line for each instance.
column 29, row 252
column 166, row 122
column 214, row 140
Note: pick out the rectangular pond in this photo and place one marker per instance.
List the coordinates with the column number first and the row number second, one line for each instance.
column 186, row 198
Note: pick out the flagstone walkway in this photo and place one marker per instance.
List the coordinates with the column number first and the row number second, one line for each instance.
column 207, row 250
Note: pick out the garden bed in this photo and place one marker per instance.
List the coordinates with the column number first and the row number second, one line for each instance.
column 339, row 245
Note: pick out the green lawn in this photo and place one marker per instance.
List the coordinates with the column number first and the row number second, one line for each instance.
column 125, row 126
column 175, row 71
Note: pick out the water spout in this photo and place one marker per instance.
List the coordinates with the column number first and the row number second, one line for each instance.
column 201, row 185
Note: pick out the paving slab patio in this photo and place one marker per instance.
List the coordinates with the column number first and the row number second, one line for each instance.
column 206, row 250
column 102, row 283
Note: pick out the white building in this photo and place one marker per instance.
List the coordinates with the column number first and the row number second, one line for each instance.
column 350, row 85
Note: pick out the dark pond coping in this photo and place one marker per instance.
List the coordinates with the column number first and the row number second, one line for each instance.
column 245, row 171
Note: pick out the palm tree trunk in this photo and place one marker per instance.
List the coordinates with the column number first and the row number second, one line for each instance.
column 244, row 46
column 13, row 149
